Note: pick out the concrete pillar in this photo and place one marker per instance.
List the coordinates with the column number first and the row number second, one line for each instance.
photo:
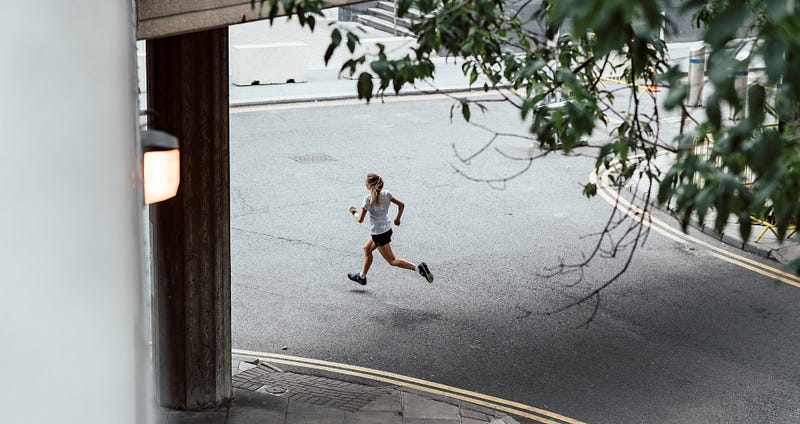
column 187, row 89
column 697, row 69
column 71, row 222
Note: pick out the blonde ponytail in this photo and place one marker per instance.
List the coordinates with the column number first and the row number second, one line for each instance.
column 376, row 182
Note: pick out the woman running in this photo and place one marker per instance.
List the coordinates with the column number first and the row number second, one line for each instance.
column 377, row 204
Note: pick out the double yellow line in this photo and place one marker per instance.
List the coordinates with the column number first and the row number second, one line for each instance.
column 610, row 194
column 507, row 406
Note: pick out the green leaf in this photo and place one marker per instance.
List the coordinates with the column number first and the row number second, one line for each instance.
column 745, row 225
column 531, row 67
column 380, row 67
column 676, row 97
column 465, row 109
column 765, row 152
column 352, row 40
column 397, row 84
column 273, row 11
column 590, row 189
column 714, row 112
column 778, row 9
column 702, row 201
column 288, row 7
column 402, row 7
column 336, row 39
column 756, row 97
column 352, row 64
column 365, row 86
column 665, row 188
column 723, row 27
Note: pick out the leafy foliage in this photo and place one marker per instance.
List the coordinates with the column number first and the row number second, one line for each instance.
column 752, row 168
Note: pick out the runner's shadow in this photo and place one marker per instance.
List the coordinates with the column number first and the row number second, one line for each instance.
column 359, row 291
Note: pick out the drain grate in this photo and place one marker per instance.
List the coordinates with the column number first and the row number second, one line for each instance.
column 312, row 158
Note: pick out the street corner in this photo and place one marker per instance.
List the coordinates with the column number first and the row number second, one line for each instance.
column 307, row 388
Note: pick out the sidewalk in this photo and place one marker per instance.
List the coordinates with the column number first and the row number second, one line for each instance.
column 265, row 394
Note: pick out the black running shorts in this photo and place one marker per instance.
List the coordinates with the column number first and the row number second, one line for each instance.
column 382, row 239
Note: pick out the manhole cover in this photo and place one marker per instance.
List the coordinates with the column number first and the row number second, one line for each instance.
column 275, row 390
column 312, row 158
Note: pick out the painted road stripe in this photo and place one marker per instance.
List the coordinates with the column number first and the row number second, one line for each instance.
column 511, row 407
column 675, row 234
column 774, row 272
column 665, row 229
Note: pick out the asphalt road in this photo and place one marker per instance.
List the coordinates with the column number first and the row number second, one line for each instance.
column 682, row 337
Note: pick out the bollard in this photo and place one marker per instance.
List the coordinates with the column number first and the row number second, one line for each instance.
column 697, row 65
column 654, row 88
column 740, row 85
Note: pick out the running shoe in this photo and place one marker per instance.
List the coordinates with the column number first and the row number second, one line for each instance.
column 357, row 278
column 425, row 272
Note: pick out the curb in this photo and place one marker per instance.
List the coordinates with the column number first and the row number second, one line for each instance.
column 321, row 379
column 724, row 237
column 354, row 96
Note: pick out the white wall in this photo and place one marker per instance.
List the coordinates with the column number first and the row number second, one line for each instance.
column 71, row 332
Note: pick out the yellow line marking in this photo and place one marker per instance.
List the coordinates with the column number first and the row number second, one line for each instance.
column 350, row 102
column 665, row 226
column 667, row 230
column 488, row 401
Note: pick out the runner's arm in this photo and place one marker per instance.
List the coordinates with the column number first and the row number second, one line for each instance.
column 358, row 215
column 400, row 207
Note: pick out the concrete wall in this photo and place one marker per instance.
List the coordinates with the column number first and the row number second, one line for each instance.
column 72, row 327
column 271, row 63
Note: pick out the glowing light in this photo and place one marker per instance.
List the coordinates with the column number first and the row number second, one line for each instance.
column 162, row 175
column 162, row 166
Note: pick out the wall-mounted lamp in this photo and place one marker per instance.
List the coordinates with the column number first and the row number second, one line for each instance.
column 162, row 166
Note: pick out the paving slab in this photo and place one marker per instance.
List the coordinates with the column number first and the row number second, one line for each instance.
column 305, row 408
column 415, row 406
column 388, row 403
column 244, row 366
column 786, row 254
column 473, row 414
column 372, row 417
column 184, row 417
column 430, row 421
column 336, row 417
column 248, row 398
column 254, row 415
